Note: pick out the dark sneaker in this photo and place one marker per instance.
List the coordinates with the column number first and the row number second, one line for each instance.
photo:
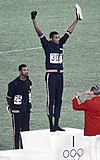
column 57, row 128
column 52, row 129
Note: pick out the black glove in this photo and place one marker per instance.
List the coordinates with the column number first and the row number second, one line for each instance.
column 33, row 14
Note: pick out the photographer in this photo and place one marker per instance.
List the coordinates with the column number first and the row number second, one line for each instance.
column 91, row 108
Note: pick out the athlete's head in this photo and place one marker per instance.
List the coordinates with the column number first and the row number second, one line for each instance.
column 94, row 91
column 23, row 70
column 55, row 37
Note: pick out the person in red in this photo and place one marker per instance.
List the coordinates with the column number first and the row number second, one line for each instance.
column 91, row 108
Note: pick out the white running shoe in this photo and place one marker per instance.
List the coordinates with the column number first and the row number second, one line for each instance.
column 79, row 14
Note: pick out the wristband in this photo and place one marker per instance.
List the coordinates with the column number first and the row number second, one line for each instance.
column 69, row 32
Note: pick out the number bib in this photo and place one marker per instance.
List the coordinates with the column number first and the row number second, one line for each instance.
column 18, row 99
column 56, row 58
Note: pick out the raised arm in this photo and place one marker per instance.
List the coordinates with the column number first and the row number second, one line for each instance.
column 76, row 106
column 71, row 28
column 37, row 29
column 79, row 16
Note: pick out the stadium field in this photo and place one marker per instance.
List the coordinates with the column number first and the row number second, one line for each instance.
column 20, row 44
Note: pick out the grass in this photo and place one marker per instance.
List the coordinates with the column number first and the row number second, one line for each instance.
column 81, row 59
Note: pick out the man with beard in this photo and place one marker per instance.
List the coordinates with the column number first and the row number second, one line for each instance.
column 19, row 101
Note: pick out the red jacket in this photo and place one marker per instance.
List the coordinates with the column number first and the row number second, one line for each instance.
column 91, row 110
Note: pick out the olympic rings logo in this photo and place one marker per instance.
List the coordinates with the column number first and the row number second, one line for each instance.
column 73, row 153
